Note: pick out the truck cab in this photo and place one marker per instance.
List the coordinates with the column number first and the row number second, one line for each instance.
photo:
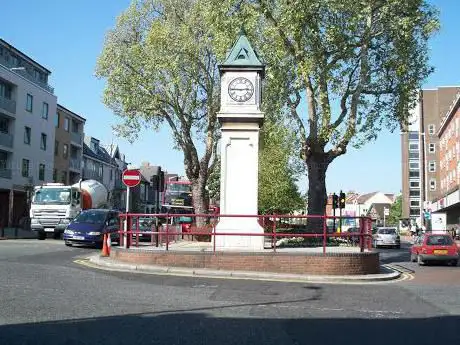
column 53, row 206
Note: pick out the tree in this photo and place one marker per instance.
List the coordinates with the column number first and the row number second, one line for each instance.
column 160, row 67
column 357, row 66
column 278, row 192
column 395, row 211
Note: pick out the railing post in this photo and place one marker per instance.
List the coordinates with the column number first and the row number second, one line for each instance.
column 324, row 234
column 213, row 237
column 120, row 231
column 167, row 235
column 137, row 230
column 274, row 234
column 128, row 231
column 361, row 235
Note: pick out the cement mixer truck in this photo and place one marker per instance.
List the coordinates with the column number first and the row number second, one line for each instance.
column 54, row 205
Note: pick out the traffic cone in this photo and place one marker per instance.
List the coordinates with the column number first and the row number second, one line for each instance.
column 109, row 243
column 105, row 251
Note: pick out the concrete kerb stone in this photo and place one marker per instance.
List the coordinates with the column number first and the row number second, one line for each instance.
column 110, row 264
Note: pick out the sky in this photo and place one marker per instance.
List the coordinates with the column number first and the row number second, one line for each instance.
column 67, row 37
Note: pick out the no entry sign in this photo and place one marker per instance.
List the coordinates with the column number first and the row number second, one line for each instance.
column 131, row 178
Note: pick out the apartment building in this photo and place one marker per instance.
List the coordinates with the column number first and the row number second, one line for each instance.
column 68, row 146
column 420, row 152
column 27, row 111
column 448, row 200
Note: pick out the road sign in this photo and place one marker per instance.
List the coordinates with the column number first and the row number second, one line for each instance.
column 386, row 211
column 131, row 178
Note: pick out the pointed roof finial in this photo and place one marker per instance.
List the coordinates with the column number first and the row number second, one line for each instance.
column 242, row 53
column 242, row 31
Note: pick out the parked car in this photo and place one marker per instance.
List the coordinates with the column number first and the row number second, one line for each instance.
column 90, row 226
column 387, row 237
column 146, row 226
column 434, row 247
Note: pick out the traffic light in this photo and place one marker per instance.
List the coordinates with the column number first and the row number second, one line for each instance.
column 335, row 201
column 342, row 200
column 161, row 181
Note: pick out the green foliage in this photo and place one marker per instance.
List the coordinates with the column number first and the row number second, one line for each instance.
column 395, row 212
column 278, row 172
column 214, row 181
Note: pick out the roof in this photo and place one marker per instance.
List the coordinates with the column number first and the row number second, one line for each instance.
column 101, row 154
column 59, row 106
column 450, row 114
column 242, row 54
column 377, row 209
column 9, row 46
column 363, row 198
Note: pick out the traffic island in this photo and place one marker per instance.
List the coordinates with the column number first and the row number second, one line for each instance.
column 310, row 261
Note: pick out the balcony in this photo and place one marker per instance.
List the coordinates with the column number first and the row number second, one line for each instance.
column 26, row 74
column 75, row 164
column 5, row 173
column 92, row 175
column 76, row 138
column 8, row 105
column 6, row 140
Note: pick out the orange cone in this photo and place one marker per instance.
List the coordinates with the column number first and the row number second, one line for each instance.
column 105, row 250
column 109, row 243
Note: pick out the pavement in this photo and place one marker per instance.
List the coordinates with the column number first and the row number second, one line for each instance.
column 110, row 264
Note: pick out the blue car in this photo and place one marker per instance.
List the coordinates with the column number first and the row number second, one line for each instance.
column 89, row 227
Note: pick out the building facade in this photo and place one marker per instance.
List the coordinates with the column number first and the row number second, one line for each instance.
column 448, row 200
column 27, row 133
column 420, row 152
column 68, row 146
column 118, row 194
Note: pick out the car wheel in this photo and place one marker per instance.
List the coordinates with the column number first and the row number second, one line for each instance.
column 420, row 261
column 413, row 258
column 41, row 235
column 68, row 244
column 454, row 263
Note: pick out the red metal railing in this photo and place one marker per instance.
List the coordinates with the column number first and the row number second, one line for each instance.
column 162, row 233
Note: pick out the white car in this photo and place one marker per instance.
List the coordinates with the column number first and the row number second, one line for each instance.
column 387, row 237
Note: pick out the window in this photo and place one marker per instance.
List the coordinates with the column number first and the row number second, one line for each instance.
column 56, row 120
column 414, row 166
column 415, row 203
column 413, row 135
column 414, row 184
column 56, row 147
column 432, row 148
column 432, row 166
column 25, row 168
column 74, row 126
column 414, row 173
column 111, row 174
column 4, row 125
column 54, row 175
column 414, row 155
column 27, row 135
column 414, row 193
column 30, row 102
column 413, row 146
column 414, row 212
column 3, row 159
column 6, row 90
column 43, row 142
column 432, row 184
column 431, row 129
column 65, row 151
column 64, row 177
column 41, row 172
column 66, row 124
column 45, row 110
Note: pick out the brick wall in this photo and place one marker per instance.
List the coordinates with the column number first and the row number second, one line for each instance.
column 312, row 263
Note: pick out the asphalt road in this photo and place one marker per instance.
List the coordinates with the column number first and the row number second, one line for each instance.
column 46, row 298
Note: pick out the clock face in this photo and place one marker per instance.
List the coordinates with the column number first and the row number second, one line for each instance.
column 240, row 89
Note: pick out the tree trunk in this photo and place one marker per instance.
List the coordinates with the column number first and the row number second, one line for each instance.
column 200, row 200
column 317, row 197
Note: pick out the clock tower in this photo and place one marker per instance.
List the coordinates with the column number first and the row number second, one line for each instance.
column 240, row 117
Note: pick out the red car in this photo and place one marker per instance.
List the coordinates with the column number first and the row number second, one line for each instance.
column 434, row 247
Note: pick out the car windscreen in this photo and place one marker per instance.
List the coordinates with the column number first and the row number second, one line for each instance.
column 387, row 232
column 91, row 217
column 440, row 240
